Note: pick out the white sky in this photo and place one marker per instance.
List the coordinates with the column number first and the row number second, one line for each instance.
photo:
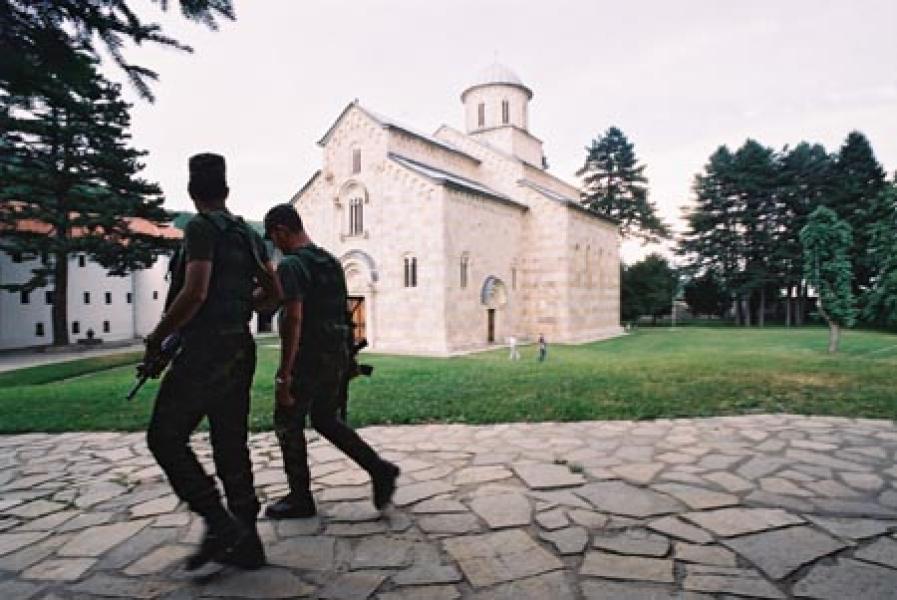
column 679, row 78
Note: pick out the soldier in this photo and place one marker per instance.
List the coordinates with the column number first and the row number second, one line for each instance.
column 213, row 292
column 314, row 362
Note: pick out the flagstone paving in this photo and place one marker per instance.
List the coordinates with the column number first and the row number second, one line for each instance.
column 765, row 506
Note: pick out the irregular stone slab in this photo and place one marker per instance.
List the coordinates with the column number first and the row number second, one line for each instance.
column 158, row 560
column 857, row 509
column 10, row 542
column 551, row 585
column 780, row 485
column 430, row 592
column 381, row 552
column 499, row 557
column 852, row 529
column 59, row 569
column 353, row 512
column 729, row 522
column 439, row 505
column 780, row 552
column 31, row 554
column 481, row 474
column 292, row 527
column 137, row 547
column 503, row 510
column 882, row 551
column 588, row 519
column 346, row 477
column 35, row 509
column 552, row 519
column 570, row 540
column 764, row 498
column 547, row 477
column 313, row 553
column 596, row 589
column 415, row 492
column 677, row 528
column 96, row 541
column 705, row 555
column 356, row 529
column 19, row 590
column 824, row 460
column 86, row 520
column 831, row 489
column 454, row 523
column 559, row 497
column 341, row 494
column 50, row 522
column 624, row 499
column 427, row 573
column 352, row 586
column 847, row 578
column 695, row 497
column 106, row 585
column 269, row 582
column 99, row 492
column 638, row 568
column 640, row 473
column 158, row 506
column 633, row 541
column 741, row 582
column 172, row 520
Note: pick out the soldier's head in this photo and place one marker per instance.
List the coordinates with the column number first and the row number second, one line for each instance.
column 283, row 226
column 208, row 185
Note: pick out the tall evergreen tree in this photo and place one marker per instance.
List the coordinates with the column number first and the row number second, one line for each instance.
column 880, row 301
column 705, row 295
column 69, row 183
column 826, row 244
column 648, row 288
column 859, row 181
column 614, row 184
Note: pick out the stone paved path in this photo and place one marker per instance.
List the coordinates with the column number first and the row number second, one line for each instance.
column 743, row 507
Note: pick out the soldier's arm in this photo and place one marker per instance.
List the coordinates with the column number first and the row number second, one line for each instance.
column 187, row 303
column 269, row 294
column 290, row 333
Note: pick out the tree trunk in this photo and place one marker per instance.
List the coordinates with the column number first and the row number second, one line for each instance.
column 834, row 336
column 739, row 317
column 788, row 307
column 60, row 299
column 761, row 317
column 747, row 311
column 801, row 302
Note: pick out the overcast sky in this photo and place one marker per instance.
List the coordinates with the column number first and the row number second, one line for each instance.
column 679, row 78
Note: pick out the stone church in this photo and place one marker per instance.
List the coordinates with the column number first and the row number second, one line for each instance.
column 455, row 241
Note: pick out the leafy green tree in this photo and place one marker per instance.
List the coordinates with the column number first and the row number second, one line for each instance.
column 648, row 287
column 69, row 183
column 858, row 183
column 826, row 244
column 614, row 184
column 42, row 41
column 880, row 302
column 705, row 295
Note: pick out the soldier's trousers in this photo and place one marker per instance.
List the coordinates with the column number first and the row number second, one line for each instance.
column 211, row 377
column 316, row 389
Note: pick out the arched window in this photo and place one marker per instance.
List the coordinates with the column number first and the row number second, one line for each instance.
column 481, row 115
column 464, row 274
column 505, row 112
column 356, row 216
column 356, row 160
column 410, row 271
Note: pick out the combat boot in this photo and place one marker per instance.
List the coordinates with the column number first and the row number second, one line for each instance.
column 223, row 534
column 384, row 483
column 292, row 506
column 248, row 553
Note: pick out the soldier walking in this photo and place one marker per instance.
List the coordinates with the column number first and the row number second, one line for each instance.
column 221, row 272
column 314, row 363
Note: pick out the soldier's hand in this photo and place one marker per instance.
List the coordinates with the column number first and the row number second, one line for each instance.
column 282, row 393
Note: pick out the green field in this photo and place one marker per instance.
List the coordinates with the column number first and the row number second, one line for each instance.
column 653, row 373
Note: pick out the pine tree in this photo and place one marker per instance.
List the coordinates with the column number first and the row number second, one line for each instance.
column 705, row 295
column 614, row 184
column 66, row 164
column 826, row 244
column 880, row 302
column 856, row 198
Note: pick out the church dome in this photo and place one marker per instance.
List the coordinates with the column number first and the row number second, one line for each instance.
column 497, row 74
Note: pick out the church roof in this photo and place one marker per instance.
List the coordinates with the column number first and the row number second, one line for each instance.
column 497, row 74
column 451, row 180
column 388, row 123
column 565, row 200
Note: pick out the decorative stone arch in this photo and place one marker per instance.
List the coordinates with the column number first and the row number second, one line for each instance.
column 494, row 293
column 346, row 190
column 361, row 287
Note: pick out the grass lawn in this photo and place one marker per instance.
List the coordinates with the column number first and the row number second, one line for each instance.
column 652, row 373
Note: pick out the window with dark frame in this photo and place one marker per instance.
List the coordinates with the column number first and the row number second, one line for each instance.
column 76, row 327
column 155, row 295
column 513, row 278
column 82, row 260
column 105, row 326
column 25, row 297
column 481, row 115
column 48, row 297
column 356, row 216
column 86, row 297
column 39, row 329
column 505, row 112
column 108, row 297
column 410, row 271
column 128, row 298
column 356, row 160
column 465, row 261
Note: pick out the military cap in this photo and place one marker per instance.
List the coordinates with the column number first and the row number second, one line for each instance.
column 207, row 167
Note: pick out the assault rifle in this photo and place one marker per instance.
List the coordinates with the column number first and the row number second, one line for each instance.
column 355, row 369
column 153, row 367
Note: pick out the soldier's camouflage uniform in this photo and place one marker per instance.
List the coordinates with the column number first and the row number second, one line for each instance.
column 212, row 375
column 312, row 275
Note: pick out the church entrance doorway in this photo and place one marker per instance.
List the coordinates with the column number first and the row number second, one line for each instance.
column 490, row 332
column 355, row 306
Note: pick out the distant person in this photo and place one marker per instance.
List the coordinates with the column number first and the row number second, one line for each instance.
column 314, row 363
column 543, row 348
column 512, row 344
column 221, row 272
